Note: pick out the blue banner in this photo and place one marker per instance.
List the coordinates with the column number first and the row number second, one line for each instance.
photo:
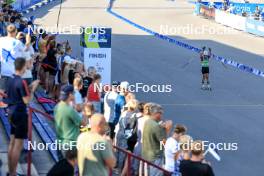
column 239, row 7
column 21, row 5
column 255, row 27
column 246, row 7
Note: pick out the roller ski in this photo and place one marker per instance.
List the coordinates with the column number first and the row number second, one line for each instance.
column 206, row 87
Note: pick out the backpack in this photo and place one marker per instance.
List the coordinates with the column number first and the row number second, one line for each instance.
column 131, row 129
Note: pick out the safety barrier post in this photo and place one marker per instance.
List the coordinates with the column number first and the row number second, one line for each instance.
column 128, row 164
column 29, row 157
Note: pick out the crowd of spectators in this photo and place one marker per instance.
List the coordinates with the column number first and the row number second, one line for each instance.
column 84, row 114
column 258, row 14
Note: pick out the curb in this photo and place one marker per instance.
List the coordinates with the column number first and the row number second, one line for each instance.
column 37, row 6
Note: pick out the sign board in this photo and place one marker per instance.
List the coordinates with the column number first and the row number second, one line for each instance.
column 96, row 44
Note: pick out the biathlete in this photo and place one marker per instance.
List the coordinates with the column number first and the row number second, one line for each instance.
column 205, row 57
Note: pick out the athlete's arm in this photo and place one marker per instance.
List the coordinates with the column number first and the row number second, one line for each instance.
column 210, row 52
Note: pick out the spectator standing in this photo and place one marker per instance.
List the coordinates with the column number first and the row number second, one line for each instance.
column 120, row 101
column 67, row 120
column 87, row 80
column 18, row 96
column 78, row 103
column 88, row 111
column 109, row 107
column 50, row 67
column 28, row 54
column 137, row 166
column 184, row 153
column 257, row 13
column 2, row 25
column 93, row 94
column 196, row 165
column 98, row 157
column 122, row 135
column 65, row 167
column 154, row 136
column 171, row 147
column 10, row 49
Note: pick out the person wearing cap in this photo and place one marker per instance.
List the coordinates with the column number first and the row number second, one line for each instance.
column 109, row 107
column 120, row 101
column 67, row 120
column 205, row 56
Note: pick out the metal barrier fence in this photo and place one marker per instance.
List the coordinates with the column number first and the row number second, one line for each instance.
column 29, row 157
column 129, row 155
column 144, row 162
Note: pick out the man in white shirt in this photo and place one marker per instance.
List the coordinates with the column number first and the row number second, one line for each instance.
column 109, row 106
column 10, row 49
column 172, row 147
column 29, row 55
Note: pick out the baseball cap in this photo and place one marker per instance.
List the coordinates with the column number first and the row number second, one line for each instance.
column 66, row 91
column 115, row 83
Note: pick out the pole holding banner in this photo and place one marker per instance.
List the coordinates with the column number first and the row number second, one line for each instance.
column 96, row 44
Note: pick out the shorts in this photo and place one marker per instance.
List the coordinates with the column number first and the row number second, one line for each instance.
column 205, row 70
column 19, row 124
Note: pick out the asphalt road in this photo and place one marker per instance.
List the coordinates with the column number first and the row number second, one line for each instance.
column 231, row 113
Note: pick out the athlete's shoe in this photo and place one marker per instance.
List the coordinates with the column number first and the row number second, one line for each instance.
column 203, row 86
column 209, row 87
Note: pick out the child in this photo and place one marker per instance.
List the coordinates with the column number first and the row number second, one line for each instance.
column 88, row 111
column 78, row 104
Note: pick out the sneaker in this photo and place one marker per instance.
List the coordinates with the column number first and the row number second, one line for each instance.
column 3, row 105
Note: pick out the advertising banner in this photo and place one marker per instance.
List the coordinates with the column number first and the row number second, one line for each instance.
column 231, row 20
column 255, row 27
column 208, row 12
column 246, row 7
column 96, row 43
column 20, row 5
